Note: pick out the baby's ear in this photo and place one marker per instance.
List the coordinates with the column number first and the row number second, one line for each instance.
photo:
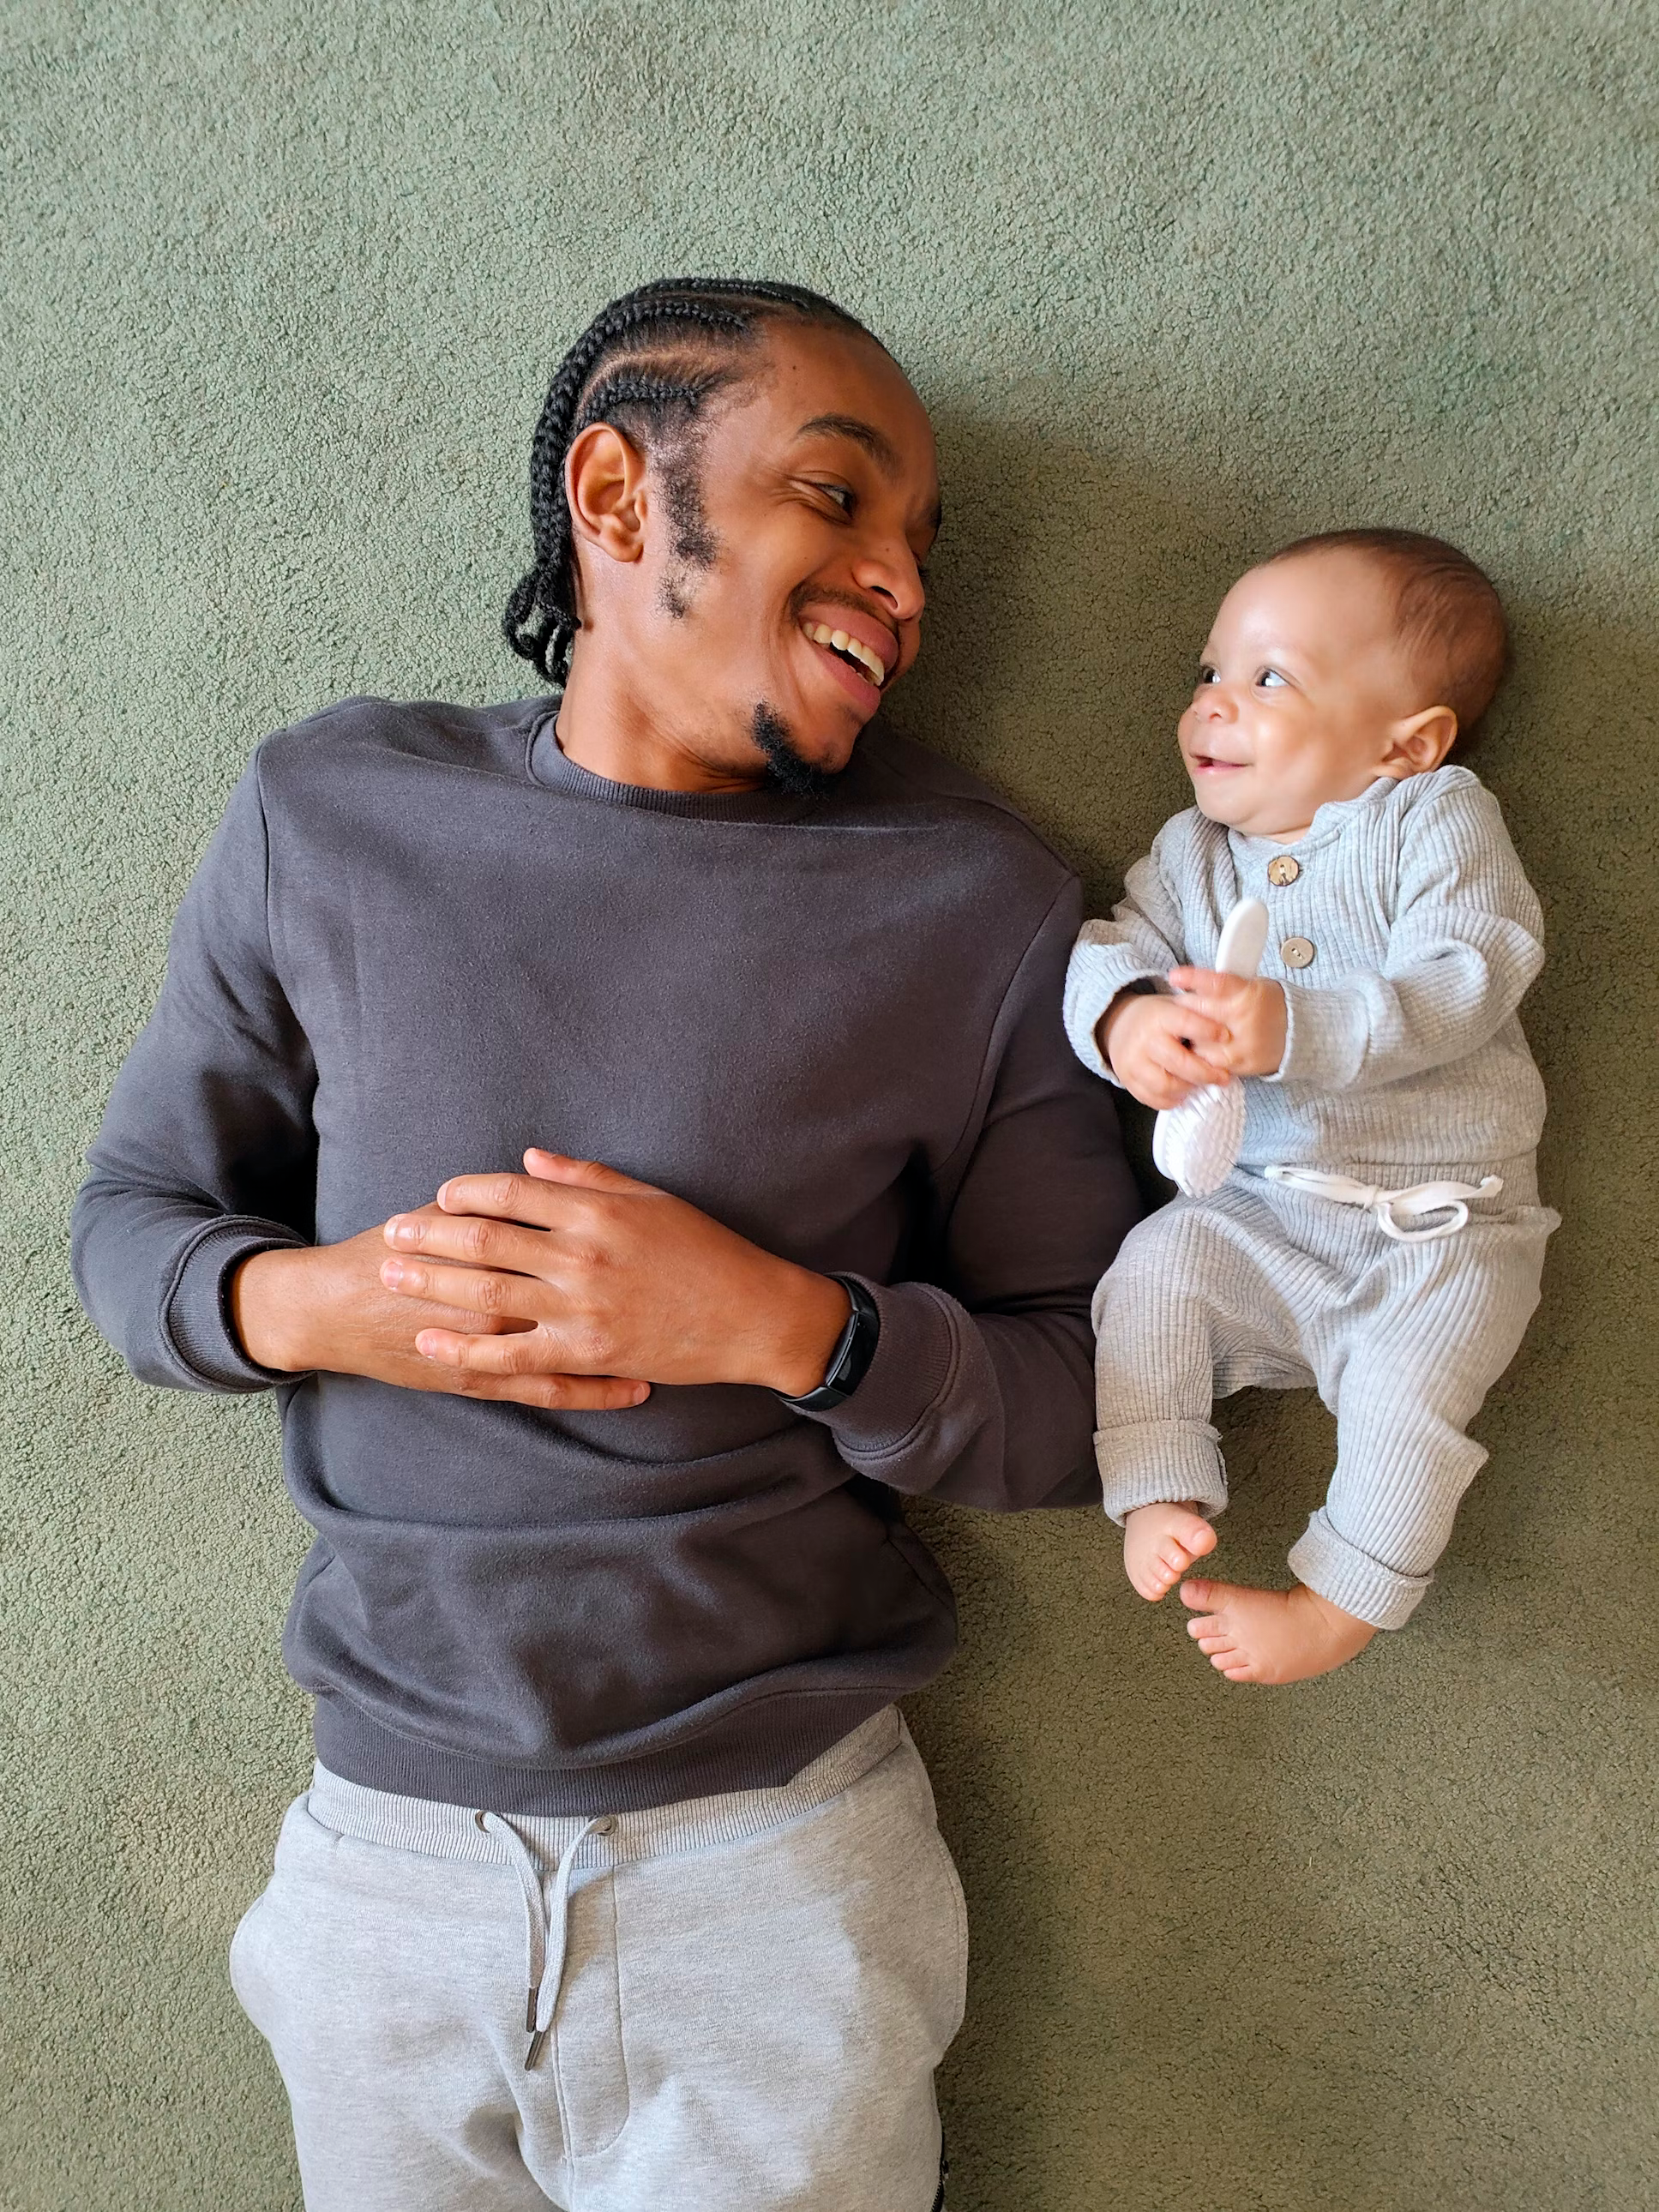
column 1420, row 744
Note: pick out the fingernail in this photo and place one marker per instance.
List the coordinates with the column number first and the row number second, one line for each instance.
column 641, row 1394
column 391, row 1273
column 403, row 1233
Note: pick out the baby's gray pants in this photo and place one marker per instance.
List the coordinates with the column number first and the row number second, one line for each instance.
column 1261, row 1285
column 754, row 1992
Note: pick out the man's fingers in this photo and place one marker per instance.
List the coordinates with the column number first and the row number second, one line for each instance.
column 584, row 1175
column 565, row 1394
column 532, row 1199
column 478, row 1240
column 523, row 1352
column 470, row 1289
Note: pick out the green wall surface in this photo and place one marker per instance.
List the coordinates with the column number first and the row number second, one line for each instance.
column 282, row 281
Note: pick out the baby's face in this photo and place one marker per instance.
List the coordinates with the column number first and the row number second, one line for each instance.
column 1303, row 694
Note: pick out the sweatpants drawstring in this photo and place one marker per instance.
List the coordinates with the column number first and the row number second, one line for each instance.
column 1419, row 1198
column 547, row 1922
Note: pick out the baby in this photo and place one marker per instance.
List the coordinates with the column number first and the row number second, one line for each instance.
column 1381, row 1053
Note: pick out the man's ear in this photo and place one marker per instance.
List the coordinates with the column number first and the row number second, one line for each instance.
column 605, row 477
column 1420, row 744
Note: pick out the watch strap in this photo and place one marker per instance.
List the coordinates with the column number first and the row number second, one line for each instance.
column 849, row 1362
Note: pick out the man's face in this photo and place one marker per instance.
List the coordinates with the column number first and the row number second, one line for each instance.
column 804, row 512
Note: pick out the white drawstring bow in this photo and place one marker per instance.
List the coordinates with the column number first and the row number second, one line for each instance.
column 1417, row 1199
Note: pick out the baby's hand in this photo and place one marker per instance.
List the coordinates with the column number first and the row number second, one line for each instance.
column 1248, row 1012
column 1161, row 1049
column 1160, row 1542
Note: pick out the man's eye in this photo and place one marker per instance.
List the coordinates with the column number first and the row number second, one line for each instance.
column 842, row 495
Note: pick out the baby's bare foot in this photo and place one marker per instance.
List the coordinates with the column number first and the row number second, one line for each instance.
column 1160, row 1542
column 1271, row 1635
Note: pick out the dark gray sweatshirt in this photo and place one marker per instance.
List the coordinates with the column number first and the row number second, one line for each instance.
column 420, row 940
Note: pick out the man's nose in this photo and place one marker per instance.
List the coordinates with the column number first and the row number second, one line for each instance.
column 891, row 574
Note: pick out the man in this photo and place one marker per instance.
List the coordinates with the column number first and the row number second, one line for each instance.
column 619, row 1883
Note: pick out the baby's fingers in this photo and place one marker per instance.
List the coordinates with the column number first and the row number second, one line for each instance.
column 1176, row 1059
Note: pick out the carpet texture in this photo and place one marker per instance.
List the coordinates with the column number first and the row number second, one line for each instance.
column 281, row 283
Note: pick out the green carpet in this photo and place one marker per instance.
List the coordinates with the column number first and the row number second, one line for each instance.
column 282, row 284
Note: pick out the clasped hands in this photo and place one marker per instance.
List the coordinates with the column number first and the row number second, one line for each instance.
column 570, row 1286
column 1213, row 1028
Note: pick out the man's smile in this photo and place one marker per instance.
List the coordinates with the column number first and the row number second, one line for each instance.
column 860, row 650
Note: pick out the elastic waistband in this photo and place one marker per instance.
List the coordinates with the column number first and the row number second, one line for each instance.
column 459, row 1831
column 1518, row 1175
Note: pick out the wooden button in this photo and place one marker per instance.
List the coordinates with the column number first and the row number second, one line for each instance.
column 1296, row 952
column 1283, row 871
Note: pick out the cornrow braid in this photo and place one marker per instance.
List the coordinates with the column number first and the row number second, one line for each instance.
column 647, row 363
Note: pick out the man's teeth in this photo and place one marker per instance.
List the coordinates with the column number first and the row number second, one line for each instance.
column 855, row 648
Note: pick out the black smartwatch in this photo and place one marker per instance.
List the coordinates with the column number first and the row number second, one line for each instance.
column 849, row 1363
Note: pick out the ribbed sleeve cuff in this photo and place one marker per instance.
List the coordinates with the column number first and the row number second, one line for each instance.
column 1324, row 1038
column 1344, row 1574
column 1160, row 1464
column 1096, row 974
column 196, row 1312
column 915, row 1361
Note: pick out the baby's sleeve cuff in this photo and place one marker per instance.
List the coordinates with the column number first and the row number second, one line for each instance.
column 1097, row 974
column 1325, row 1036
column 1342, row 1573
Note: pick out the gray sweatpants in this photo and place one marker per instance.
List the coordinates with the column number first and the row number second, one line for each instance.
column 1263, row 1284
column 742, row 1999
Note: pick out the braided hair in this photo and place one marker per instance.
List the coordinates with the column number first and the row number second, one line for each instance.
column 646, row 364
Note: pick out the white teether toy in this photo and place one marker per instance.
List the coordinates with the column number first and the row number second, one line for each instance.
column 1196, row 1143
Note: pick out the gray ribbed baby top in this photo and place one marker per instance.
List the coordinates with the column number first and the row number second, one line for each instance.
column 1405, row 933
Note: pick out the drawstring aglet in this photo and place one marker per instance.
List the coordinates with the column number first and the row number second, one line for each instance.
column 535, row 2051
column 530, row 2003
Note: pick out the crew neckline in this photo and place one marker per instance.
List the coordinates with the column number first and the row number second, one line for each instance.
column 549, row 765
column 1329, row 820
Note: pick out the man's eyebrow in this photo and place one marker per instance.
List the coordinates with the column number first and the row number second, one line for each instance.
column 879, row 447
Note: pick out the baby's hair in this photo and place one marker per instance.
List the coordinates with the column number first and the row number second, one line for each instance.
column 1450, row 614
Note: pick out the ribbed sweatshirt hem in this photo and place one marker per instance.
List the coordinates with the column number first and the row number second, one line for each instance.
column 443, row 1830
column 761, row 1746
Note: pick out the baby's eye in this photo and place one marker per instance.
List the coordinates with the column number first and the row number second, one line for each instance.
column 1207, row 675
column 1271, row 680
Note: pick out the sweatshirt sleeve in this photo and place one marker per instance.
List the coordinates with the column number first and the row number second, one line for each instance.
column 1466, row 941
column 207, row 1153
column 1144, row 940
column 981, row 1389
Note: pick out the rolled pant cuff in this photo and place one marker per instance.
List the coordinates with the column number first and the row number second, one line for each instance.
column 1160, row 1464
column 1342, row 1573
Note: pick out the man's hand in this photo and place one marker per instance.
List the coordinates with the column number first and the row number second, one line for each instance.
column 1249, row 1012
column 614, row 1277
column 1161, row 1049
column 325, row 1306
